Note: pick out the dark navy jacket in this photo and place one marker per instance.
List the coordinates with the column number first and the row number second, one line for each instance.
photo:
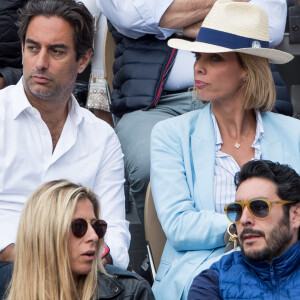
column 141, row 68
column 10, row 45
column 235, row 277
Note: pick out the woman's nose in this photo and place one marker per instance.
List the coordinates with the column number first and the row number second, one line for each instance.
column 199, row 66
column 91, row 234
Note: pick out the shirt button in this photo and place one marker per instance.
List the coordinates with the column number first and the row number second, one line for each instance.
column 115, row 289
column 44, row 132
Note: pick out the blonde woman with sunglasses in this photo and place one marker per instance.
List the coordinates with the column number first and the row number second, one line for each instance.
column 194, row 156
column 57, row 252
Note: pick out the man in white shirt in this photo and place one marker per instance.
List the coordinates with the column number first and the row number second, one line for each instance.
column 45, row 135
column 163, row 18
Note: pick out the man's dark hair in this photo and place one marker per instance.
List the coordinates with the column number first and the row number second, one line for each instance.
column 76, row 14
column 285, row 178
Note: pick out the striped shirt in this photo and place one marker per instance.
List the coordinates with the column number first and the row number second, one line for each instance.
column 226, row 166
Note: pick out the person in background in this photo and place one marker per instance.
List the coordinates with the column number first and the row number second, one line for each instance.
column 10, row 45
column 57, row 254
column 153, row 82
column 97, row 99
column 45, row 135
column 194, row 157
column 267, row 217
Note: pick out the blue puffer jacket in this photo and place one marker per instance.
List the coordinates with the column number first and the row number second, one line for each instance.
column 240, row 278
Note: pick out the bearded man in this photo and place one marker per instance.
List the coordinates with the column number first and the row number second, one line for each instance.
column 267, row 218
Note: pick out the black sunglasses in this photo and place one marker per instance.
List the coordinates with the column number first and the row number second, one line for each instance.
column 80, row 226
column 259, row 208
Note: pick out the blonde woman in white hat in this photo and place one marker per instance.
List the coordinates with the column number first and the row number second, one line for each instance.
column 194, row 156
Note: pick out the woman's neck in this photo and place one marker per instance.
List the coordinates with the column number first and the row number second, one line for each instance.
column 233, row 120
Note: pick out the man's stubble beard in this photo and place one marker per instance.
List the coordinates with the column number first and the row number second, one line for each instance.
column 278, row 239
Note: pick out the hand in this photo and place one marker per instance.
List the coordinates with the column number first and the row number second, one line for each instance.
column 7, row 254
column 2, row 83
column 107, row 259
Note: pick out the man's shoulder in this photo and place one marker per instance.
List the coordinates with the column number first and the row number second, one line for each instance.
column 11, row 89
column 7, row 97
column 93, row 123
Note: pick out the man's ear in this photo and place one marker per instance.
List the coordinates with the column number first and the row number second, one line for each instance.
column 295, row 216
column 84, row 60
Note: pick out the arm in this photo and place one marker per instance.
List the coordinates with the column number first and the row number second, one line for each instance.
column 110, row 190
column 143, row 291
column 186, row 227
column 97, row 103
column 7, row 254
column 136, row 18
column 276, row 10
column 205, row 286
column 182, row 13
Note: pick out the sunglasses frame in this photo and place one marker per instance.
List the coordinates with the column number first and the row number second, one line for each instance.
column 248, row 202
column 102, row 224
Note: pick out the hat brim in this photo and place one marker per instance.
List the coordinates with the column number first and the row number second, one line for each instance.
column 274, row 56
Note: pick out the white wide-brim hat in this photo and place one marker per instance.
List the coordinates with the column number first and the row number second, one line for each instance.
column 234, row 27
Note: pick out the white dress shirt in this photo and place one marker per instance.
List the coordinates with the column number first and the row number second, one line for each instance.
column 88, row 152
column 135, row 18
column 226, row 166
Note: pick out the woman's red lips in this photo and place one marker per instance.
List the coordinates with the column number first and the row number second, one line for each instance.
column 200, row 84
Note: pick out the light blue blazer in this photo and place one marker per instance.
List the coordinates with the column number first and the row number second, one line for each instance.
column 182, row 180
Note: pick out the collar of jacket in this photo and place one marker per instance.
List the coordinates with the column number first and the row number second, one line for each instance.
column 282, row 265
column 108, row 286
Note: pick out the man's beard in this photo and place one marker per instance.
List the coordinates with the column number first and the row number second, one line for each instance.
column 278, row 239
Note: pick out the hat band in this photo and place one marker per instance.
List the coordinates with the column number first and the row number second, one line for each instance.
column 228, row 40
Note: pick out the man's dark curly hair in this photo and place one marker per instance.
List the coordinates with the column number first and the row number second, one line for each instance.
column 285, row 178
column 76, row 14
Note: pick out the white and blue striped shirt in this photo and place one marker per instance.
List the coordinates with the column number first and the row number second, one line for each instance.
column 226, row 166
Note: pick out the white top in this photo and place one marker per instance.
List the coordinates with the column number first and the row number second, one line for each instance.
column 134, row 18
column 88, row 152
column 226, row 166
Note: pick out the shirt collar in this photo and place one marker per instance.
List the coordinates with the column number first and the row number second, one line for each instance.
column 259, row 129
column 282, row 265
column 258, row 135
column 21, row 104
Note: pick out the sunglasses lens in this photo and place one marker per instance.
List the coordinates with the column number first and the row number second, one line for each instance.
column 234, row 212
column 79, row 227
column 100, row 227
column 259, row 208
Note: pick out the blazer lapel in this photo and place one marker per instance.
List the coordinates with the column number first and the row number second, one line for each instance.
column 203, row 158
column 271, row 143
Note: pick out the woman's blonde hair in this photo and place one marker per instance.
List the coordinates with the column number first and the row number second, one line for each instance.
column 41, row 266
column 258, row 83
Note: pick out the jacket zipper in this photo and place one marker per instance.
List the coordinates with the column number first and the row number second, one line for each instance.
column 162, row 80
